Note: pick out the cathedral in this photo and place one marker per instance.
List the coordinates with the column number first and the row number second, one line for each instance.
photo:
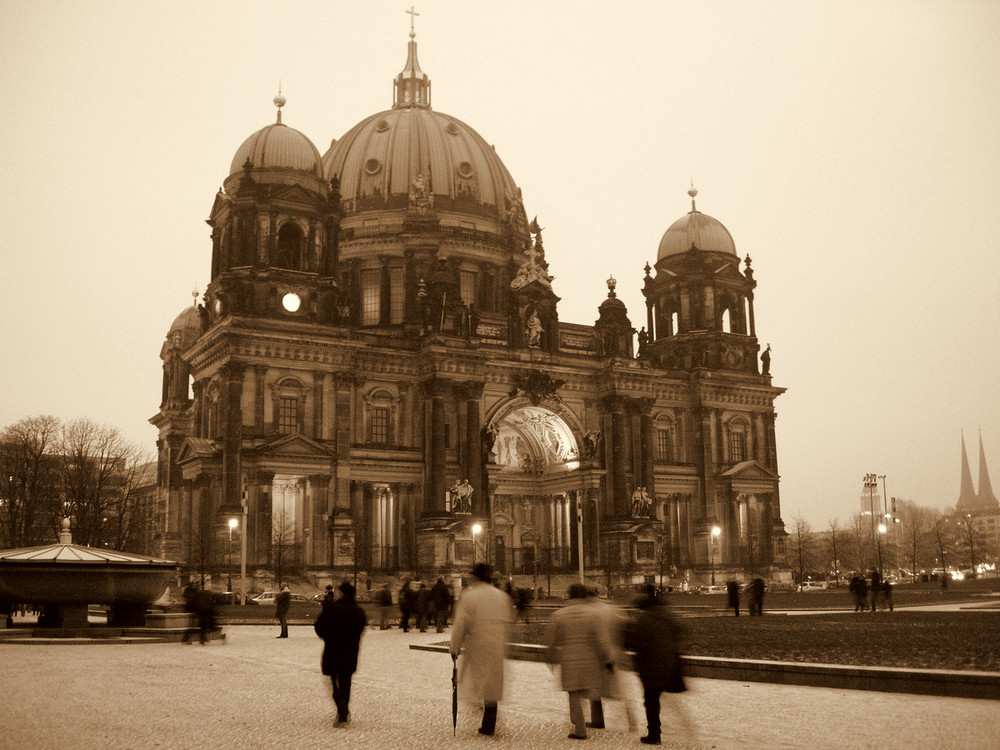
column 377, row 381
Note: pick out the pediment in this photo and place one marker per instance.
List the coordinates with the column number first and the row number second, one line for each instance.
column 222, row 203
column 197, row 448
column 749, row 471
column 297, row 446
column 293, row 194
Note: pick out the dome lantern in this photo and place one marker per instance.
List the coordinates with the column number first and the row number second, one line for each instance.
column 412, row 87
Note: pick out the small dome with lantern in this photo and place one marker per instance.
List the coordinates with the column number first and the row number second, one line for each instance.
column 277, row 153
column 696, row 231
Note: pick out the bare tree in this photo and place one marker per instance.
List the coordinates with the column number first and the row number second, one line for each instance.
column 859, row 535
column 282, row 542
column 833, row 541
column 917, row 522
column 29, row 482
column 801, row 545
column 100, row 473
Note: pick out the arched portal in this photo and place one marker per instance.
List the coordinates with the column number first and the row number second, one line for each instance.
column 537, row 488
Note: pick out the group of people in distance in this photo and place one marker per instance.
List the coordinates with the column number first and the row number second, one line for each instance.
column 589, row 640
column 880, row 588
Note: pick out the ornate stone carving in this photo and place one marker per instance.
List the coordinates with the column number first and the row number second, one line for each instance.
column 537, row 386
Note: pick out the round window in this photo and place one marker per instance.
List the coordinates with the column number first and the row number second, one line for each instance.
column 372, row 166
column 291, row 302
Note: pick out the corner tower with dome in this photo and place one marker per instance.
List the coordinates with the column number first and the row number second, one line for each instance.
column 379, row 383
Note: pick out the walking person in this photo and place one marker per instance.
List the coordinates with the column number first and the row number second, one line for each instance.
column 579, row 644
column 341, row 625
column 757, row 597
column 653, row 637
column 407, row 603
column 610, row 619
column 440, row 601
column 423, row 606
column 282, row 602
column 733, row 592
column 384, row 606
column 479, row 642
column 875, row 587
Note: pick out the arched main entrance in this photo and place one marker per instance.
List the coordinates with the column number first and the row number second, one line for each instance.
column 537, row 486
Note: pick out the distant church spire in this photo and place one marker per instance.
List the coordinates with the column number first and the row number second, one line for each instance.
column 967, row 494
column 986, row 496
column 412, row 87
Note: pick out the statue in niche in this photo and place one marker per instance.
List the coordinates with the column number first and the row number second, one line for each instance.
column 641, row 503
column 534, row 330
column 461, row 497
column 488, row 438
column 420, row 194
column 765, row 361
column 592, row 444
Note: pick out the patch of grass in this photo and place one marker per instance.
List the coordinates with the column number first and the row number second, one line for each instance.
column 916, row 640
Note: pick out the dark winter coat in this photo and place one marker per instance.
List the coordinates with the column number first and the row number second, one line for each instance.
column 440, row 597
column 341, row 625
column 653, row 636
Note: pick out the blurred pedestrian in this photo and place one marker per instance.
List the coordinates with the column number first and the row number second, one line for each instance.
column 856, row 587
column 756, row 597
column 612, row 622
column 479, row 635
column 384, row 606
column 407, row 603
column 733, row 591
column 876, row 587
column 887, row 594
column 341, row 625
column 204, row 606
column 579, row 643
column 653, row 636
column 329, row 595
column 440, row 602
column 423, row 603
column 282, row 603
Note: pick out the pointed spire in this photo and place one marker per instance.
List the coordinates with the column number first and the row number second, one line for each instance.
column 412, row 87
column 986, row 496
column 967, row 493
column 694, row 237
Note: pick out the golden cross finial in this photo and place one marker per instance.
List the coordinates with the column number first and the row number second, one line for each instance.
column 413, row 15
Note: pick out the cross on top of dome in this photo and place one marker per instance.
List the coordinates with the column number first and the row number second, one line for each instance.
column 412, row 87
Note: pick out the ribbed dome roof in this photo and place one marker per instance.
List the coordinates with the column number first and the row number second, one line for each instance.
column 188, row 320
column 278, row 146
column 697, row 229
column 385, row 152
column 383, row 155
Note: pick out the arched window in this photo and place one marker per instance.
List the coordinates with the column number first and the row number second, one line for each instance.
column 371, row 296
column 289, row 250
column 664, row 433
column 380, row 407
column 729, row 312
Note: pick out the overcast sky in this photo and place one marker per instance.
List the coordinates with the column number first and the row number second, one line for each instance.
column 851, row 149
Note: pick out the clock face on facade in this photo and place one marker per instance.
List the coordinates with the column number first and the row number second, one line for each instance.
column 291, row 302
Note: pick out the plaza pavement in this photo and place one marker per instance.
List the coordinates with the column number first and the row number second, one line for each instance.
column 256, row 691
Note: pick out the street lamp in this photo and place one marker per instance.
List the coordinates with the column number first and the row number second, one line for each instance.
column 871, row 483
column 476, row 528
column 233, row 523
column 715, row 540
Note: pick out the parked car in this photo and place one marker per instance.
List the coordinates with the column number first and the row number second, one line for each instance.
column 300, row 603
column 777, row 587
column 711, row 590
column 812, row 586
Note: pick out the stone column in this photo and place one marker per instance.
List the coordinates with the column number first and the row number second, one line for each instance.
column 434, row 395
column 232, row 438
column 472, row 457
column 619, row 449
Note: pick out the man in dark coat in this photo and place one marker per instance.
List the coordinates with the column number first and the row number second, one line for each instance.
column 653, row 638
column 440, row 604
column 733, row 591
column 341, row 625
column 282, row 602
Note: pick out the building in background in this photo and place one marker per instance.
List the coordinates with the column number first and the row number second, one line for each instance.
column 379, row 379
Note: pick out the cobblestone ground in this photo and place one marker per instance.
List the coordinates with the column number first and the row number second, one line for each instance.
column 255, row 691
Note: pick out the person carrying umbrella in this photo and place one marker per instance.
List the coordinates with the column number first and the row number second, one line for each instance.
column 479, row 642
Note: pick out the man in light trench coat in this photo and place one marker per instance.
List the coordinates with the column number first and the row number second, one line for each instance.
column 580, row 643
column 482, row 618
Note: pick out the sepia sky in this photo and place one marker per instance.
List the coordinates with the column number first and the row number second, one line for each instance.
column 852, row 149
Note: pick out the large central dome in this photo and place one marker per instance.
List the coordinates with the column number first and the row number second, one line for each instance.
column 381, row 160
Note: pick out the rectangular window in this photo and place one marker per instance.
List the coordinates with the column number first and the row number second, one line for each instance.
column 288, row 415
column 379, row 434
column 737, row 447
column 468, row 286
column 371, row 307
column 645, row 550
column 664, row 445
column 396, row 295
